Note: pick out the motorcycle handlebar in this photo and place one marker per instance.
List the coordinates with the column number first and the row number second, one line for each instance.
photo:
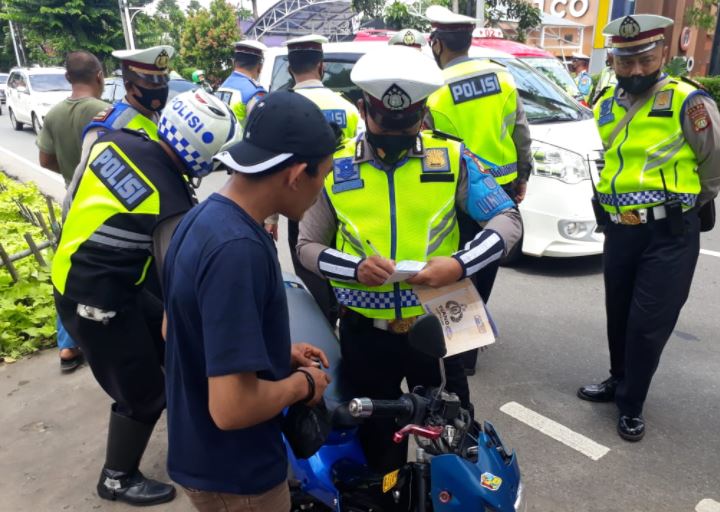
column 367, row 407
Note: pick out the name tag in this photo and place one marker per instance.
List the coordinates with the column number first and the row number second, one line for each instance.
column 339, row 117
column 475, row 87
column 124, row 183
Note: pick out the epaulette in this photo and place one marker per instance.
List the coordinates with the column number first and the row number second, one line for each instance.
column 445, row 136
column 693, row 83
column 137, row 133
column 103, row 115
column 498, row 63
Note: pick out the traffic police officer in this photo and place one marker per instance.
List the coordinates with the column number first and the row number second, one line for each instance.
column 126, row 206
column 580, row 63
column 248, row 62
column 408, row 37
column 607, row 79
column 480, row 104
column 392, row 196
column 662, row 165
column 305, row 60
column 145, row 74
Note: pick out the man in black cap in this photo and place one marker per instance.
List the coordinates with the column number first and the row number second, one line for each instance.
column 229, row 361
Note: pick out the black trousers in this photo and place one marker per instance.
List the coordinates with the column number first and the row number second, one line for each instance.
column 125, row 355
column 319, row 288
column 648, row 274
column 374, row 363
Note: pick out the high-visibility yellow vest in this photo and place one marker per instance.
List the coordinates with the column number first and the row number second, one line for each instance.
column 336, row 109
column 123, row 115
column 479, row 105
column 406, row 214
column 650, row 147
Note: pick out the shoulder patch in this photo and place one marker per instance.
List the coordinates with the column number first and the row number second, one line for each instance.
column 436, row 160
column 699, row 117
column 102, row 116
column 120, row 178
column 475, row 87
column 475, row 160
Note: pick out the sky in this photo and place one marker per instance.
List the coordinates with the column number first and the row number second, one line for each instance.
column 263, row 5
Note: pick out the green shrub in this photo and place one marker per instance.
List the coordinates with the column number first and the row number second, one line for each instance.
column 712, row 84
column 27, row 310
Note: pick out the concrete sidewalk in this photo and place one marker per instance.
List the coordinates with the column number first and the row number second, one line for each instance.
column 52, row 440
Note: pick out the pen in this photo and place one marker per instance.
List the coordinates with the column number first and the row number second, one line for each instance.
column 377, row 253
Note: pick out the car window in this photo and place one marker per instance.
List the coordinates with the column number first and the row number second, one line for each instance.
column 543, row 100
column 555, row 71
column 50, row 82
column 178, row 86
column 3, row 78
column 224, row 96
column 16, row 80
column 337, row 75
column 108, row 93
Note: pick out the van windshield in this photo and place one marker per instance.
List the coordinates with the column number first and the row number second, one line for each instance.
column 337, row 75
column 555, row 71
column 48, row 83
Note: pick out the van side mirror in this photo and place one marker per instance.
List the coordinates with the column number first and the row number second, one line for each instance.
column 427, row 336
column 22, row 88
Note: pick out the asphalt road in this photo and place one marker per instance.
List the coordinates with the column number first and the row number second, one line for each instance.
column 550, row 313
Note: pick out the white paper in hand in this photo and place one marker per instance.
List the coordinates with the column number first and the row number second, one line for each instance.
column 404, row 270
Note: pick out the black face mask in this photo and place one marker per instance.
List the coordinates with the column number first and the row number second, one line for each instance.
column 637, row 84
column 393, row 146
column 152, row 99
column 436, row 56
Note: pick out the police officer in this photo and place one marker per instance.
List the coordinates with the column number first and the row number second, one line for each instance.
column 408, row 37
column 580, row 64
column 662, row 164
column 607, row 79
column 305, row 60
column 145, row 74
column 248, row 61
column 392, row 196
column 126, row 205
column 480, row 104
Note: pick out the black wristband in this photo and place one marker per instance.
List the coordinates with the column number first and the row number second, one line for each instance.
column 311, row 385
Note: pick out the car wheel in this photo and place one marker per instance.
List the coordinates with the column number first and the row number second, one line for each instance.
column 14, row 122
column 36, row 124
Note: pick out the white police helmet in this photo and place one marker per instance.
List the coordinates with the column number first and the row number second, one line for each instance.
column 197, row 125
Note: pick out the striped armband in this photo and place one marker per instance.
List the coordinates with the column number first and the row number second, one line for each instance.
column 479, row 252
column 338, row 266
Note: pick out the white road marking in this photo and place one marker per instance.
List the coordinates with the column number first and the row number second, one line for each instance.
column 52, row 175
column 707, row 505
column 553, row 429
column 710, row 253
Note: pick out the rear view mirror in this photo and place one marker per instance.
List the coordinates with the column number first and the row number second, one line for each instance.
column 427, row 336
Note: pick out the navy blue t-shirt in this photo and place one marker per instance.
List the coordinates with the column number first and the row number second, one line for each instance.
column 227, row 314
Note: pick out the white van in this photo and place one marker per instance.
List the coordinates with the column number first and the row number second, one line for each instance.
column 556, row 212
column 31, row 92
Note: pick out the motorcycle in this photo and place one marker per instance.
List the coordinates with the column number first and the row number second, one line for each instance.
column 459, row 465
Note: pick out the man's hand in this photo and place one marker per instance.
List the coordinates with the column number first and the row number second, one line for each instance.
column 304, row 354
column 520, row 190
column 439, row 271
column 375, row 270
column 273, row 230
column 322, row 380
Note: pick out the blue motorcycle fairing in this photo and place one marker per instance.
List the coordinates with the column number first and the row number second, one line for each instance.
column 463, row 479
column 315, row 473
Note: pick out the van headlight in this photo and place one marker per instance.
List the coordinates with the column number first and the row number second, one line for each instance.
column 520, row 502
column 559, row 163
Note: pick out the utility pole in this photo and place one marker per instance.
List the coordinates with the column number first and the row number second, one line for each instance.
column 480, row 13
column 15, row 44
column 126, row 24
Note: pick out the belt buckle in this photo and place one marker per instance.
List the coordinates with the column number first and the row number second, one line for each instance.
column 401, row 325
column 630, row 218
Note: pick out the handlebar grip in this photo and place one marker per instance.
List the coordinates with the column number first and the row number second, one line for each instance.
column 366, row 407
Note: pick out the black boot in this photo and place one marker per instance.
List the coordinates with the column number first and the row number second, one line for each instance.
column 120, row 478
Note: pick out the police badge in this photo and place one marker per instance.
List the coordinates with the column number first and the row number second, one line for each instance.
column 409, row 39
column 395, row 98
column 629, row 28
column 162, row 60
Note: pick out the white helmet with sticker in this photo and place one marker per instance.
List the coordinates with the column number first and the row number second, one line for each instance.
column 197, row 125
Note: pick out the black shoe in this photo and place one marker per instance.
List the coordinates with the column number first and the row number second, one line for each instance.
column 631, row 428
column 603, row 392
column 72, row 364
column 133, row 489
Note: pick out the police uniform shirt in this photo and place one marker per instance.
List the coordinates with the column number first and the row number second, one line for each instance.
column 319, row 225
column 104, row 268
column 701, row 128
column 520, row 136
column 317, row 84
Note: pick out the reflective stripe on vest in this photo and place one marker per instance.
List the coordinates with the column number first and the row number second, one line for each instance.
column 335, row 108
column 651, row 147
column 479, row 105
column 94, row 204
column 406, row 214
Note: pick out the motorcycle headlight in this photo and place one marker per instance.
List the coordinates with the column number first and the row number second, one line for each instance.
column 520, row 502
column 559, row 163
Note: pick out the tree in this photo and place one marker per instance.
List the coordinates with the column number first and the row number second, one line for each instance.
column 207, row 39
column 369, row 8
column 52, row 28
column 527, row 15
column 171, row 20
column 701, row 14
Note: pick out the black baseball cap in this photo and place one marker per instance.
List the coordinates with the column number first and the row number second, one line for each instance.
column 282, row 125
